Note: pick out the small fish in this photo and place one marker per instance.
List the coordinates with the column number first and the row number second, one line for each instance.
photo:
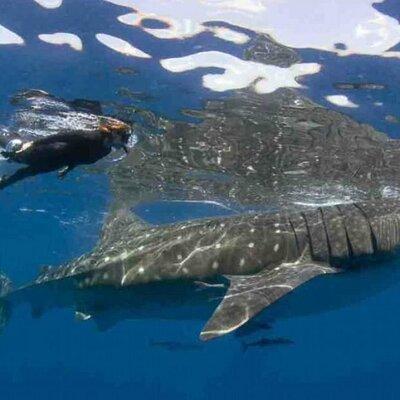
column 264, row 342
column 175, row 346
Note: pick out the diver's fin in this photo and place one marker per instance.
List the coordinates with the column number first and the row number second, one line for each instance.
column 248, row 295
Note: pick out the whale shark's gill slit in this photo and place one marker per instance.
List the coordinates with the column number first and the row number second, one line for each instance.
column 374, row 240
column 326, row 232
column 295, row 237
column 303, row 215
column 349, row 245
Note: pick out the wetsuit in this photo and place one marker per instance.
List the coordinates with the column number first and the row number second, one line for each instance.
column 62, row 151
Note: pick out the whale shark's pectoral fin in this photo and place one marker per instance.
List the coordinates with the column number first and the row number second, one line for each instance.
column 248, row 295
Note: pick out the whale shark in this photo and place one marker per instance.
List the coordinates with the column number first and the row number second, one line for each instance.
column 246, row 262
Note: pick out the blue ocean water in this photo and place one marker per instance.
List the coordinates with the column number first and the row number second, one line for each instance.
column 348, row 351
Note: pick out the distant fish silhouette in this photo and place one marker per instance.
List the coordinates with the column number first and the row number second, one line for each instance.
column 264, row 342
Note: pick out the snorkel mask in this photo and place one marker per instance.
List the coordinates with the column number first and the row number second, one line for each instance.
column 13, row 146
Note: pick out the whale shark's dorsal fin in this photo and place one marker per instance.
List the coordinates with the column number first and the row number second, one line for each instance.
column 118, row 222
column 248, row 295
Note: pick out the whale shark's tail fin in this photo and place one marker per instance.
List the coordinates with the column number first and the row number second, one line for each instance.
column 5, row 312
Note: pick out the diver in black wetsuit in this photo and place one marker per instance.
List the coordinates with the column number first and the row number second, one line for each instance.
column 63, row 151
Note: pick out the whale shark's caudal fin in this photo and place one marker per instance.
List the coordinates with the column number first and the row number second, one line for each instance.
column 5, row 288
column 248, row 295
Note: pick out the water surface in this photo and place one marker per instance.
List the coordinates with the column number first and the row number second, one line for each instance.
column 197, row 78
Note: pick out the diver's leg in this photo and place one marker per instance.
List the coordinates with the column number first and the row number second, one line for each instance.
column 64, row 171
column 19, row 175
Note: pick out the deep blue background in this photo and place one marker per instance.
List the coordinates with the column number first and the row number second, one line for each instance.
column 344, row 353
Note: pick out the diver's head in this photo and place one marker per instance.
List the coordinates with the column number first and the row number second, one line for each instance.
column 118, row 131
column 13, row 146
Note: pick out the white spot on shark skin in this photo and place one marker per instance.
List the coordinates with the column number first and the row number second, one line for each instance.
column 251, row 245
column 121, row 46
column 276, row 247
column 49, row 3
column 60, row 38
column 242, row 262
column 141, row 270
column 215, row 265
column 240, row 73
column 341, row 101
column 9, row 37
column 363, row 29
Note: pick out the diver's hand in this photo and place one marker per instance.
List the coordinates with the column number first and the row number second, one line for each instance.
column 64, row 171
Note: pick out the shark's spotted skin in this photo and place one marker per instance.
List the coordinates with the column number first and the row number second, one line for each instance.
column 264, row 256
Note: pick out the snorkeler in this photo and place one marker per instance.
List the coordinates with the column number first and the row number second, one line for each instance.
column 62, row 151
